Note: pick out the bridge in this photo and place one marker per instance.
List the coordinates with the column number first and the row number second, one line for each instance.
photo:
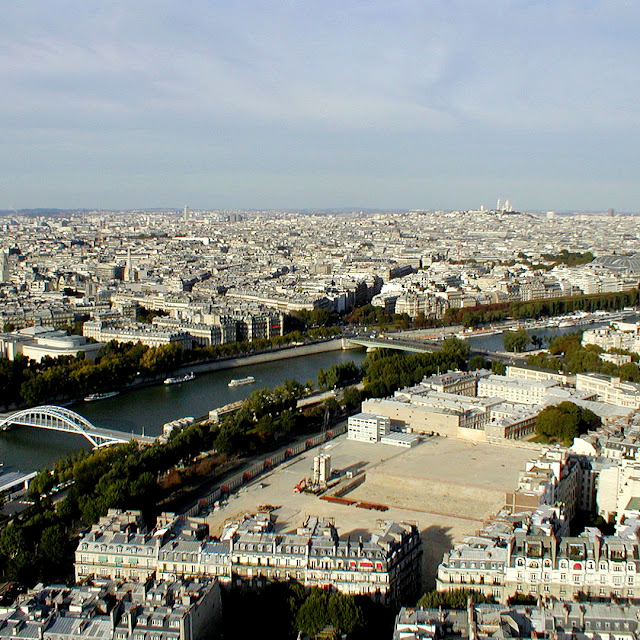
column 57, row 418
column 401, row 344
column 421, row 346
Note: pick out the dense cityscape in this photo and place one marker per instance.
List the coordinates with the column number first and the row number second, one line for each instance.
column 491, row 480
column 320, row 320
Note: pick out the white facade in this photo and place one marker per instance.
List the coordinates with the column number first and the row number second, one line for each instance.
column 367, row 427
column 609, row 389
column 151, row 337
column 515, row 390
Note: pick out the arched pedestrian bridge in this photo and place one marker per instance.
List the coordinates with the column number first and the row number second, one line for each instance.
column 57, row 418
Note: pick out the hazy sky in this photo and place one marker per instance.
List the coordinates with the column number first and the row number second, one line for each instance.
column 298, row 103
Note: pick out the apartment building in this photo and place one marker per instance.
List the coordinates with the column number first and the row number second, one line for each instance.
column 386, row 566
column 462, row 383
column 116, row 610
column 104, row 332
column 609, row 389
column 521, row 390
column 452, row 415
column 620, row 335
column 590, row 565
column 532, row 373
column 560, row 620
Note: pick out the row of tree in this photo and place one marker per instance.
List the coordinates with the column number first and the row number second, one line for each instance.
column 567, row 354
column 123, row 476
column 387, row 371
column 24, row 382
column 546, row 307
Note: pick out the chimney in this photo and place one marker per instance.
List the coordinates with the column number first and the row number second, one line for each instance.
column 581, row 610
column 471, row 619
column 131, row 620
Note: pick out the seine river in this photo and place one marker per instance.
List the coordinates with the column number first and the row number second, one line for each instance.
column 146, row 410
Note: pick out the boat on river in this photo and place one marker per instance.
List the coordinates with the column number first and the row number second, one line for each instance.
column 178, row 379
column 93, row 397
column 240, row 382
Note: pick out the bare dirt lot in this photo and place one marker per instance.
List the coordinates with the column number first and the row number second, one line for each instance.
column 448, row 487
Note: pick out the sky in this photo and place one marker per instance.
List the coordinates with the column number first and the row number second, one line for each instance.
column 391, row 104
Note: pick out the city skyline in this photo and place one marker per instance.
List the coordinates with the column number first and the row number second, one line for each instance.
column 292, row 105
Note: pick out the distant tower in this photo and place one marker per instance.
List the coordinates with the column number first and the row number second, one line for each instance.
column 185, row 211
column 129, row 267
column 5, row 275
column 507, row 205
column 611, row 213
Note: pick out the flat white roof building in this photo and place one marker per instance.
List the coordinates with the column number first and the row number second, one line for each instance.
column 367, row 427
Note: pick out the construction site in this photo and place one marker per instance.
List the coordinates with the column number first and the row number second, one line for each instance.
column 448, row 487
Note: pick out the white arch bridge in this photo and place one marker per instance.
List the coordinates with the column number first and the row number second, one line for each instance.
column 57, row 418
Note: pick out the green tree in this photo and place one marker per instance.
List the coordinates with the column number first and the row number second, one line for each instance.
column 516, row 341
column 351, row 398
column 498, row 368
column 16, row 550
column 42, row 483
column 454, row 599
column 564, row 422
column 478, row 362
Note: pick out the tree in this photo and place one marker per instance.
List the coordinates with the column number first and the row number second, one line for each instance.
column 564, row 422
column 629, row 371
column 454, row 599
column 516, row 341
column 498, row 367
column 42, row 483
column 478, row 362
column 16, row 550
column 322, row 609
column 351, row 398
column 313, row 615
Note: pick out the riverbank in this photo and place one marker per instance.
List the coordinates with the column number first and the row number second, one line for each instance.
column 273, row 355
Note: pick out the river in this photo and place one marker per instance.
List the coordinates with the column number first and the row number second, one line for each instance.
column 494, row 342
column 146, row 410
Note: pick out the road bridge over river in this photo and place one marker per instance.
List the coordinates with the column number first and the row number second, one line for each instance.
column 400, row 344
column 428, row 346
